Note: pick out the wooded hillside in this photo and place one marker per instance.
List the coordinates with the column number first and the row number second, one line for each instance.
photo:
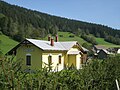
column 18, row 23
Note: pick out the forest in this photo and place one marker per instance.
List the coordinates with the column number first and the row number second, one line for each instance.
column 95, row 75
column 19, row 23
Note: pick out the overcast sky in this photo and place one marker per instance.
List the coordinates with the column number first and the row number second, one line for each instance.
column 106, row 12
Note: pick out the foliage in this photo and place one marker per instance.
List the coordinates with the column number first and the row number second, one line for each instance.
column 71, row 36
column 89, row 38
column 89, row 47
column 112, row 39
column 95, row 75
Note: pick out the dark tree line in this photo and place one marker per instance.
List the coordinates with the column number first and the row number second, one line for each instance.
column 18, row 23
column 112, row 39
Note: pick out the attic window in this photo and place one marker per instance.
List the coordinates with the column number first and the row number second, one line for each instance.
column 28, row 59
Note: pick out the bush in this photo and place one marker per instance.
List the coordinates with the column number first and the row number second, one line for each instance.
column 71, row 36
column 89, row 39
column 1, row 33
column 60, row 35
column 96, row 75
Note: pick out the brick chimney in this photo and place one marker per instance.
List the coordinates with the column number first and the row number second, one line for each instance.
column 56, row 38
column 49, row 37
column 52, row 42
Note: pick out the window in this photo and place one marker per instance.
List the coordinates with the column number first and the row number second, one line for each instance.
column 49, row 59
column 28, row 60
column 60, row 59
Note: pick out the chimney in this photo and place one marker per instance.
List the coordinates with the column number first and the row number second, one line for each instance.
column 49, row 37
column 56, row 38
column 52, row 42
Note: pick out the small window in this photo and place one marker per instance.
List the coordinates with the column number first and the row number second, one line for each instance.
column 28, row 60
column 60, row 59
column 50, row 59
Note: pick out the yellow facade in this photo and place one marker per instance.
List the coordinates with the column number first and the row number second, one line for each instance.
column 36, row 56
column 39, row 57
column 74, row 59
column 55, row 59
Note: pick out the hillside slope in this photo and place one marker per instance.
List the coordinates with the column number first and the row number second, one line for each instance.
column 6, row 43
column 67, row 36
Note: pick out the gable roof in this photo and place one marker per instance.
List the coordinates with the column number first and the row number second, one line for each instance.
column 45, row 45
column 99, row 47
column 104, row 50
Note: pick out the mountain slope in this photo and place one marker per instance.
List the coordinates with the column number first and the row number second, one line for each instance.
column 19, row 23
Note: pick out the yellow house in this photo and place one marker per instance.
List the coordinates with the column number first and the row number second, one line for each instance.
column 35, row 53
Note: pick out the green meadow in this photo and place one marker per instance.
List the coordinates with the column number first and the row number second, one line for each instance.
column 6, row 43
column 67, row 36
column 101, row 41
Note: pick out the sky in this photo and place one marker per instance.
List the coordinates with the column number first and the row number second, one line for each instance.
column 105, row 12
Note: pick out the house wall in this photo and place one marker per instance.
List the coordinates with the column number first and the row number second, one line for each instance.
column 78, row 61
column 66, row 59
column 36, row 56
column 39, row 57
column 55, row 59
column 74, row 49
column 74, row 59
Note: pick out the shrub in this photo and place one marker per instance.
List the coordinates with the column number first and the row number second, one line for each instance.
column 60, row 35
column 96, row 75
column 71, row 36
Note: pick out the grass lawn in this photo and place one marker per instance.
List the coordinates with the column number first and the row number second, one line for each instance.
column 101, row 41
column 6, row 43
column 65, row 37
